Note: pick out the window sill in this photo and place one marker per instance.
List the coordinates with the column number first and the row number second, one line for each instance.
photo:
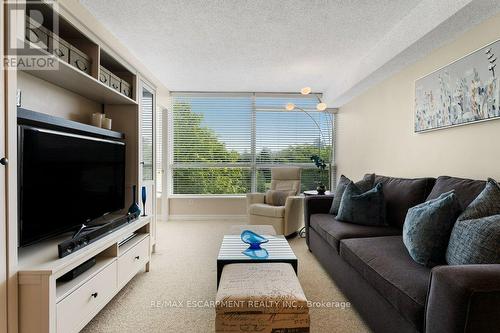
column 207, row 196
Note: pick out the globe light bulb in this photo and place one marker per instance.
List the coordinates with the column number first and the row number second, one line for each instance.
column 321, row 106
column 305, row 90
column 290, row 107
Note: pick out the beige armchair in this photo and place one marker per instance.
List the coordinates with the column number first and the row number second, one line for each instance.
column 285, row 219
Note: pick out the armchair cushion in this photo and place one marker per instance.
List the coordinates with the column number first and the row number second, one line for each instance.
column 277, row 198
column 286, row 179
column 267, row 210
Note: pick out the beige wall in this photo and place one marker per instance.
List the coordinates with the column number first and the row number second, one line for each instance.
column 375, row 130
column 215, row 206
column 41, row 96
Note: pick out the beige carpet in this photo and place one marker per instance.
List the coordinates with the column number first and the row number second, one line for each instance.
column 171, row 297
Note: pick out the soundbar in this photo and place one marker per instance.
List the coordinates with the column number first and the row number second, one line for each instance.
column 75, row 272
column 84, row 238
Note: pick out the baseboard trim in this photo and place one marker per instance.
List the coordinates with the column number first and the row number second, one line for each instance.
column 233, row 218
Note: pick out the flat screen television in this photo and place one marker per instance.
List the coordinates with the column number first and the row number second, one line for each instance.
column 66, row 180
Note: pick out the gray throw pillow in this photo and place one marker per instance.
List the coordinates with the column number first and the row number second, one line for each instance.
column 475, row 238
column 364, row 185
column 475, row 242
column 487, row 203
column 365, row 208
column 428, row 226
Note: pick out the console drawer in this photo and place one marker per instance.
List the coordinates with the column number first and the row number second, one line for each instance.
column 130, row 262
column 74, row 311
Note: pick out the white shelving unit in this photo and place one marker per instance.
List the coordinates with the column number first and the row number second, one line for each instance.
column 37, row 301
column 74, row 80
column 49, row 305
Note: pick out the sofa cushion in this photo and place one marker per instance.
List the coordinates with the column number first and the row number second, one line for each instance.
column 267, row 210
column 365, row 208
column 387, row 267
column 333, row 231
column 466, row 190
column 401, row 194
column 475, row 242
column 364, row 185
column 428, row 226
column 487, row 203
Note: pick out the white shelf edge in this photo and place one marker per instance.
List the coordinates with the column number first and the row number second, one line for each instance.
column 59, row 266
column 64, row 289
column 78, row 82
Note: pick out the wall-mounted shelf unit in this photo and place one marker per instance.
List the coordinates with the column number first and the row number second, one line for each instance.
column 117, row 76
column 70, row 78
column 78, row 59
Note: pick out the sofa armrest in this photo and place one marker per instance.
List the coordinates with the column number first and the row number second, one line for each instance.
column 315, row 205
column 463, row 298
column 293, row 214
column 253, row 198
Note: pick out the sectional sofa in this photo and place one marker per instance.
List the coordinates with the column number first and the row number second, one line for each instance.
column 392, row 292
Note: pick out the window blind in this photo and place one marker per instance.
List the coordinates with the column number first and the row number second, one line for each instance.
column 291, row 137
column 159, row 150
column 211, row 143
column 147, row 134
column 227, row 143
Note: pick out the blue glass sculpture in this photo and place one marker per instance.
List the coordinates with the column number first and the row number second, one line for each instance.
column 134, row 207
column 254, row 240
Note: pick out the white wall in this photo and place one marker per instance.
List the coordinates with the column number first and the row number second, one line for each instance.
column 375, row 130
column 41, row 96
column 232, row 207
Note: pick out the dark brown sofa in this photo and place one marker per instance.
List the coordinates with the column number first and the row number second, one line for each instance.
column 392, row 292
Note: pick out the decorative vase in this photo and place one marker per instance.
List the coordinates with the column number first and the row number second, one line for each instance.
column 321, row 189
column 144, row 196
column 253, row 239
column 254, row 251
column 134, row 207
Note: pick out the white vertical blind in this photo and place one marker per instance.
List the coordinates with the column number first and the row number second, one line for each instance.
column 227, row 143
column 159, row 150
column 147, row 134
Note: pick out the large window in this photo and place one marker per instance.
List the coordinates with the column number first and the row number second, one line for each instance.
column 227, row 143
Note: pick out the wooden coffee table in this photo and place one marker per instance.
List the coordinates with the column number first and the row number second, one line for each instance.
column 232, row 247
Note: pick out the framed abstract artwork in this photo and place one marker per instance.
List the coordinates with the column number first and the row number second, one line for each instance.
column 463, row 92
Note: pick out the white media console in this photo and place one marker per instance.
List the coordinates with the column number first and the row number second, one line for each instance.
column 47, row 305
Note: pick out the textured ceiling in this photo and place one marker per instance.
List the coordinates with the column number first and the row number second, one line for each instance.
column 336, row 47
